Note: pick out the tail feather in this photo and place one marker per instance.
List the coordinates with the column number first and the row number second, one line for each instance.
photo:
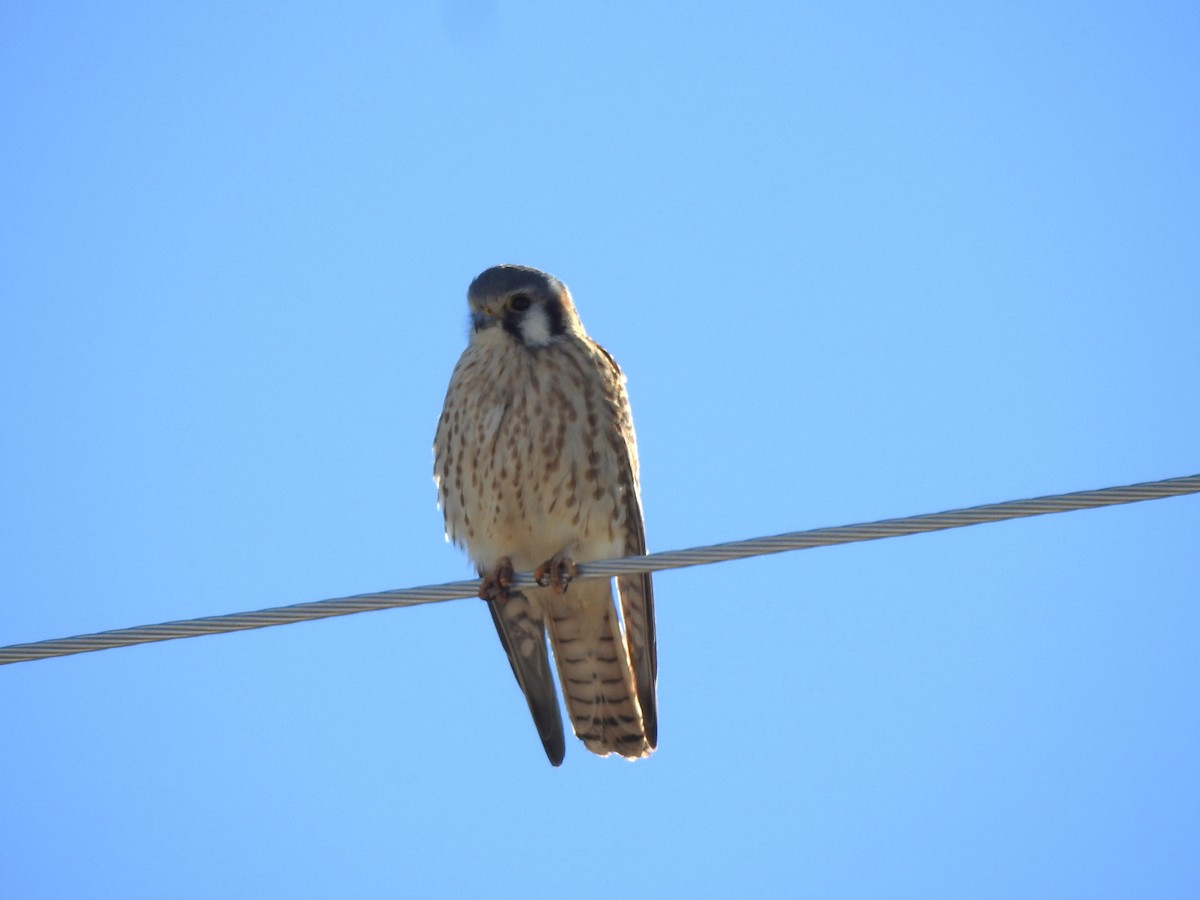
column 594, row 667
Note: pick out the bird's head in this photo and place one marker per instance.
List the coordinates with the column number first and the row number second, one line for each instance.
column 531, row 307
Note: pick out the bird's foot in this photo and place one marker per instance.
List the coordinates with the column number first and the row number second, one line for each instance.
column 496, row 582
column 556, row 573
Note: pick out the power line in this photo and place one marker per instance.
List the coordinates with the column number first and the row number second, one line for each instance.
column 654, row 562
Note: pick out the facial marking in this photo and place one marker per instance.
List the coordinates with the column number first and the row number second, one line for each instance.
column 535, row 327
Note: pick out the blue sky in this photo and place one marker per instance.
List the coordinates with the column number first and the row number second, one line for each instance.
column 857, row 260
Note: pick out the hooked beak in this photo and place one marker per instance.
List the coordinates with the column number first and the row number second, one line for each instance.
column 483, row 318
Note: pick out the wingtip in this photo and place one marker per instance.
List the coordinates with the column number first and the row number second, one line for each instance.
column 650, row 726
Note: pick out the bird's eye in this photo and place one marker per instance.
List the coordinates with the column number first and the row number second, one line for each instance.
column 519, row 302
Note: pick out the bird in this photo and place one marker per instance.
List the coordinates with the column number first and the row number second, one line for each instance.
column 536, row 467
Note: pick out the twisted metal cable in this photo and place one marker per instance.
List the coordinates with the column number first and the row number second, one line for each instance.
column 654, row 562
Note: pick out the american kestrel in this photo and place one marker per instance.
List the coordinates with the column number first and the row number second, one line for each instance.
column 536, row 468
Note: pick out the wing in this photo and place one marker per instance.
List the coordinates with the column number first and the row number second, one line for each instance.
column 637, row 608
column 523, row 635
column 636, row 591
